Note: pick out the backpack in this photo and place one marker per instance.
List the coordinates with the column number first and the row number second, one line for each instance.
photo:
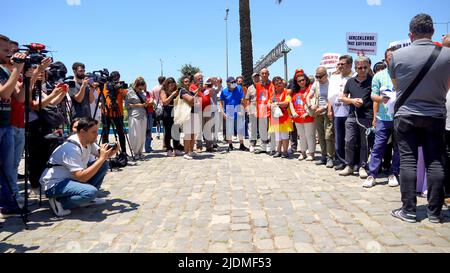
column 120, row 161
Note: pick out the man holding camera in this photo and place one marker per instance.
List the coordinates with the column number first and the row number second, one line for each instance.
column 81, row 94
column 114, row 91
column 70, row 180
column 8, row 82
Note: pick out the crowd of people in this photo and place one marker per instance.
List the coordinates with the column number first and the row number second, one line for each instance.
column 363, row 119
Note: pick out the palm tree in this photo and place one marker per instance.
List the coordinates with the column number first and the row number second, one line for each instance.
column 246, row 40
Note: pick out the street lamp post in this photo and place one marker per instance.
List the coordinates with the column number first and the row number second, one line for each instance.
column 226, row 38
column 162, row 72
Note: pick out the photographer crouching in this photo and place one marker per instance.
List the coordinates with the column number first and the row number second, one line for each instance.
column 70, row 180
column 112, row 110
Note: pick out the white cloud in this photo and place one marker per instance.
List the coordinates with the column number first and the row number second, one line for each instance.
column 73, row 2
column 374, row 2
column 294, row 42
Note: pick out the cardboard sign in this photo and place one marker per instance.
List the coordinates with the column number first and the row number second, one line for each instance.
column 400, row 44
column 362, row 43
column 330, row 61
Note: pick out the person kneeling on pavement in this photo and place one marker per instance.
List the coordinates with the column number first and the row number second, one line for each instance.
column 70, row 180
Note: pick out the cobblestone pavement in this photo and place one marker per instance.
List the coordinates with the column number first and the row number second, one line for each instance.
column 236, row 202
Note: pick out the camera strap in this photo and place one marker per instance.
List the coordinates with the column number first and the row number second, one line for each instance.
column 50, row 165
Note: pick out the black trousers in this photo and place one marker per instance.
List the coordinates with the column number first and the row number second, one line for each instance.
column 118, row 124
column 356, row 146
column 447, row 164
column 40, row 151
column 168, row 123
column 411, row 132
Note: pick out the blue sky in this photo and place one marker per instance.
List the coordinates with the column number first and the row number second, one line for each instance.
column 133, row 35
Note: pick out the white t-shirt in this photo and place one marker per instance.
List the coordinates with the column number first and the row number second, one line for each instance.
column 447, row 125
column 335, row 90
column 71, row 158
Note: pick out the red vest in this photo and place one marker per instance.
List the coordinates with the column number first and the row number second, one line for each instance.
column 262, row 99
column 279, row 98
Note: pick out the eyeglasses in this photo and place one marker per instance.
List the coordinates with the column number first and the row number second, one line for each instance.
column 319, row 77
column 301, row 80
column 362, row 68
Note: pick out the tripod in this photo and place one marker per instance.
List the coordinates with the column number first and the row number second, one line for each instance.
column 112, row 110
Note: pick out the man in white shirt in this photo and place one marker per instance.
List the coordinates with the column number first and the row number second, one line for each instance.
column 337, row 109
column 70, row 181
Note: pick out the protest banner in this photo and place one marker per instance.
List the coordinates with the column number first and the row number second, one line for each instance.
column 330, row 61
column 365, row 43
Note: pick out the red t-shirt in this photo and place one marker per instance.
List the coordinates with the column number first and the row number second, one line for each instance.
column 299, row 102
column 206, row 99
column 17, row 113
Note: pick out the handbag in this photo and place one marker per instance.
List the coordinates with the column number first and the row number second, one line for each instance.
column 53, row 116
column 277, row 112
column 182, row 111
column 418, row 79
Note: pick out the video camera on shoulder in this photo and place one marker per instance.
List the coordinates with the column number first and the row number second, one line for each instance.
column 101, row 76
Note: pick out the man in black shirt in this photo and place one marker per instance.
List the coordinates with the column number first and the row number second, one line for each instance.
column 82, row 96
column 357, row 94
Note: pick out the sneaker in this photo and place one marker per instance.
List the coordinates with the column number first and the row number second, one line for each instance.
column 95, row 202
column 57, row 208
column 187, row 157
column 309, row 158
column 302, row 157
column 323, row 161
column 148, row 151
column 243, row 148
column 178, row 153
column 346, row 172
column 276, row 155
column 193, row 154
column 434, row 219
column 370, row 182
column 170, row 154
column 7, row 213
column 268, row 150
column 330, row 163
column 339, row 167
column 285, row 155
column 393, row 182
column 260, row 152
column 252, row 149
column 272, row 153
column 362, row 173
column 20, row 200
column 398, row 213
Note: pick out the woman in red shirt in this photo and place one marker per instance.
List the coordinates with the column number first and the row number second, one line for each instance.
column 303, row 121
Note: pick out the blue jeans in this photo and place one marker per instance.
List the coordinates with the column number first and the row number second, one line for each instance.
column 72, row 194
column 19, row 145
column 148, row 138
column 383, row 132
column 6, row 167
column 339, row 132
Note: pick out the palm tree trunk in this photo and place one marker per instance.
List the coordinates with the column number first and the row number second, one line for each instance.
column 246, row 41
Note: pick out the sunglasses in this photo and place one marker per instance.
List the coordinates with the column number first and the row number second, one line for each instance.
column 319, row 77
column 301, row 80
column 362, row 68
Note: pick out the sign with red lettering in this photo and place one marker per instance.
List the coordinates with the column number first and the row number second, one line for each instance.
column 330, row 61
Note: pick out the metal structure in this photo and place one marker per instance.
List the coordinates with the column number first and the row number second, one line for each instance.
column 281, row 50
column 162, row 71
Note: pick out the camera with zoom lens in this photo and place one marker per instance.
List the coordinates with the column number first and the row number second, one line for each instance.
column 35, row 54
column 121, row 85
